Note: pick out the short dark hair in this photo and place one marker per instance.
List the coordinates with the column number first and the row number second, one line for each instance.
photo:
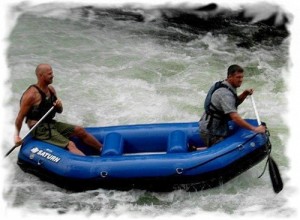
column 233, row 69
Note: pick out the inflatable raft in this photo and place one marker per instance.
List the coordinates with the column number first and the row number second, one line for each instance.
column 146, row 156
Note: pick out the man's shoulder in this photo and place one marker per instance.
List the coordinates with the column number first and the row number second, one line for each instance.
column 222, row 91
column 31, row 95
column 31, row 90
column 222, row 95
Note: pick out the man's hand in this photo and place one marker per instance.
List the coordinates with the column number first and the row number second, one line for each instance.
column 248, row 92
column 18, row 140
column 58, row 105
column 244, row 95
column 260, row 129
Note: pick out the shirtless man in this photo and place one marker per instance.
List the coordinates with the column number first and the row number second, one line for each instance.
column 34, row 104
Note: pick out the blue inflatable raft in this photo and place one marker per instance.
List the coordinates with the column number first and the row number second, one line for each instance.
column 146, row 156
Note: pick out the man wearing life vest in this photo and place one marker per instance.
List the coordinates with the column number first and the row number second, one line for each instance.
column 36, row 102
column 221, row 106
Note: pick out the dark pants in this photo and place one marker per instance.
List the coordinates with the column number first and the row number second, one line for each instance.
column 210, row 139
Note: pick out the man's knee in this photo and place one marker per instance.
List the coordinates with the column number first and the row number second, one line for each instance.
column 80, row 131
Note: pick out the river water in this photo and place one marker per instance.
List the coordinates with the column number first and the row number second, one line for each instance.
column 145, row 65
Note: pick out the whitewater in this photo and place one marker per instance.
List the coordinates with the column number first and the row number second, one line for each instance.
column 134, row 65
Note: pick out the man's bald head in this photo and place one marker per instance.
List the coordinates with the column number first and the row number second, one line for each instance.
column 42, row 68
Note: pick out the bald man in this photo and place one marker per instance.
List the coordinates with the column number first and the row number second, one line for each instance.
column 35, row 103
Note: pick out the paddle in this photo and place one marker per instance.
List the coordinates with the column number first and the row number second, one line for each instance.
column 273, row 168
column 36, row 124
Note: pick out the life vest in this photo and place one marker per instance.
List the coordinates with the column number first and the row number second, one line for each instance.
column 37, row 112
column 211, row 110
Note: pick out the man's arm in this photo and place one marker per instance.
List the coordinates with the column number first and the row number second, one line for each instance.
column 241, row 122
column 26, row 103
column 244, row 95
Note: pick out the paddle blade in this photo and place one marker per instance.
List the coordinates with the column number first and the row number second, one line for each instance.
column 14, row 147
column 11, row 150
column 275, row 176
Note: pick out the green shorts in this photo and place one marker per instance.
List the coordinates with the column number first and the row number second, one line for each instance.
column 56, row 133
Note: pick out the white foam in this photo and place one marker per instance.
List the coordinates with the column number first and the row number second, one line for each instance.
column 248, row 209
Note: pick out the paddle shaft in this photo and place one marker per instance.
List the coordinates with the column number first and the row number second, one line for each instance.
column 273, row 168
column 255, row 110
column 34, row 126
